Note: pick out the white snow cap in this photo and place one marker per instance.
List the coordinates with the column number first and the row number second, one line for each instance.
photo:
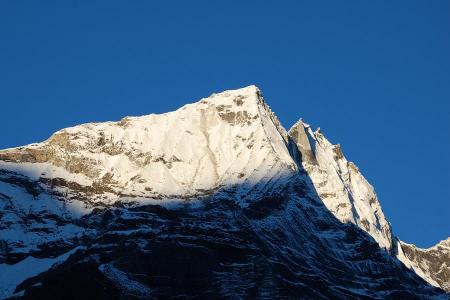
column 230, row 139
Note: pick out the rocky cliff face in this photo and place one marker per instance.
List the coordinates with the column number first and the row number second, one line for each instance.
column 432, row 264
column 214, row 200
column 340, row 185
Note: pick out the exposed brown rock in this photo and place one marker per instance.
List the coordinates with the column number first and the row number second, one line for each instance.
column 299, row 135
column 434, row 261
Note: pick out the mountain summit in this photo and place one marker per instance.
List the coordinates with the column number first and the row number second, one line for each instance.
column 213, row 200
column 227, row 139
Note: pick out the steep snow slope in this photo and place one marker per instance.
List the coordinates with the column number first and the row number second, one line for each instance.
column 228, row 139
column 12, row 275
column 432, row 264
column 348, row 195
column 340, row 185
column 218, row 186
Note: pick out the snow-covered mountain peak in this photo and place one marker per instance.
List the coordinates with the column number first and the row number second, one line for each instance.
column 340, row 184
column 228, row 139
column 106, row 190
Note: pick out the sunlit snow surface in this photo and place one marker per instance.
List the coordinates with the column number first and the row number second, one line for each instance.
column 228, row 145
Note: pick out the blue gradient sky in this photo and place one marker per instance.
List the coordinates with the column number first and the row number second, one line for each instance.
column 374, row 75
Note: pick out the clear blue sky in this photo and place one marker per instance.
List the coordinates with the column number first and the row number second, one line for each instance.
column 374, row 75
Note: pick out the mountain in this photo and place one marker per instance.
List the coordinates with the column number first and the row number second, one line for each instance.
column 432, row 264
column 213, row 200
column 340, row 185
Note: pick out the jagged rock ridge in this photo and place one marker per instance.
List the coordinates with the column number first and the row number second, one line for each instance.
column 219, row 186
column 432, row 264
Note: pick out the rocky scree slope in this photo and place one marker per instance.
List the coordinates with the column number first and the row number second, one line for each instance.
column 215, row 199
